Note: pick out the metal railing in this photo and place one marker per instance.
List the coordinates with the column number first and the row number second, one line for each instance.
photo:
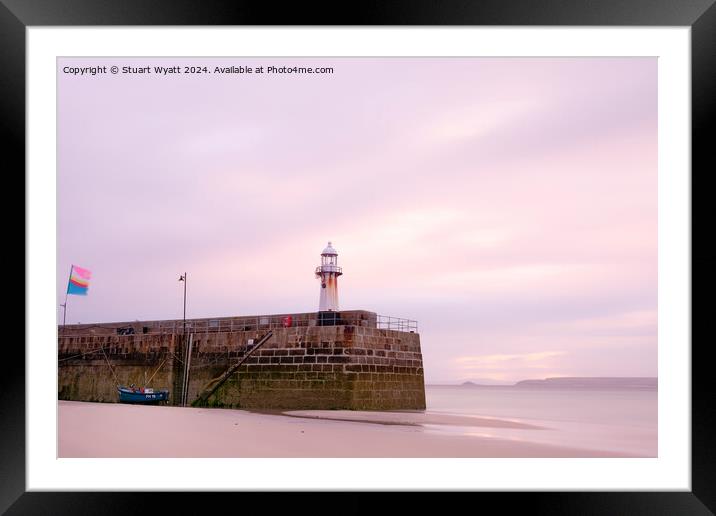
column 229, row 325
column 385, row 322
column 329, row 268
column 244, row 324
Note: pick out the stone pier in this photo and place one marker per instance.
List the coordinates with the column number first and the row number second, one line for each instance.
column 353, row 364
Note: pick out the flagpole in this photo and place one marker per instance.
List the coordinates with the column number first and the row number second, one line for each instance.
column 64, row 313
column 64, row 306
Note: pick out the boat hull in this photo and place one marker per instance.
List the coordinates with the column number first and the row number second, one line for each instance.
column 142, row 398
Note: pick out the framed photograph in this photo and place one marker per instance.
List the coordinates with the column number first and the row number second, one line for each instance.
column 440, row 249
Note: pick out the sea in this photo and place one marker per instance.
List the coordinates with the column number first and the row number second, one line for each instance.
column 618, row 420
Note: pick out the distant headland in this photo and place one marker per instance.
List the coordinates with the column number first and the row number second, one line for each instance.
column 616, row 382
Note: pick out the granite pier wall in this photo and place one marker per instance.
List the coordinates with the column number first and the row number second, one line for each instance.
column 347, row 366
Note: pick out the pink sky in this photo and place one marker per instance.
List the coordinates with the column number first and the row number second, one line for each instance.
column 509, row 205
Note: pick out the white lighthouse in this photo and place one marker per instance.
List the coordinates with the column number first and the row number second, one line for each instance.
column 328, row 273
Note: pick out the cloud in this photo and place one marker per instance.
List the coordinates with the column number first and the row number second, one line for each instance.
column 471, row 122
column 508, row 366
column 618, row 325
column 532, row 360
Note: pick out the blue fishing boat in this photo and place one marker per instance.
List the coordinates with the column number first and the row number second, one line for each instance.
column 144, row 396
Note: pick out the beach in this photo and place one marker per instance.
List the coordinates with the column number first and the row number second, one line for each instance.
column 459, row 422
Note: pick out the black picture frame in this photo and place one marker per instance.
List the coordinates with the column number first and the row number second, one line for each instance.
column 700, row 15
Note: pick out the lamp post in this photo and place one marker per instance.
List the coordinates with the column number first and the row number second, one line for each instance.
column 183, row 278
column 185, row 346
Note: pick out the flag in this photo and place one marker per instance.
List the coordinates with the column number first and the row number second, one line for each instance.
column 79, row 281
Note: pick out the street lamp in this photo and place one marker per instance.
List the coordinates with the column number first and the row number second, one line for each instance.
column 185, row 379
column 183, row 278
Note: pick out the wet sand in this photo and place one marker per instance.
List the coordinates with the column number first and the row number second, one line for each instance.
column 407, row 418
column 114, row 430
